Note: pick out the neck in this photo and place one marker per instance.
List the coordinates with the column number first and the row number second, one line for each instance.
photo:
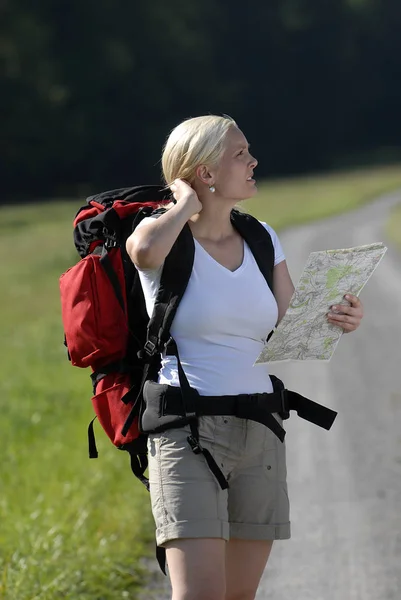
column 213, row 222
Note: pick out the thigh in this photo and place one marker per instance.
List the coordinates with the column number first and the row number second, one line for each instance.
column 197, row 568
column 245, row 563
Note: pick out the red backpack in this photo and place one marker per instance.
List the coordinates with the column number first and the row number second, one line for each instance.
column 104, row 314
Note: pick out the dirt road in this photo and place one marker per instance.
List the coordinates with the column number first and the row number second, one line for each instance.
column 345, row 485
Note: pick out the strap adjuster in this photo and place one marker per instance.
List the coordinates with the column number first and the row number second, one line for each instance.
column 150, row 348
column 195, row 445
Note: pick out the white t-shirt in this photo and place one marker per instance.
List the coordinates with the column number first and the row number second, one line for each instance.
column 221, row 324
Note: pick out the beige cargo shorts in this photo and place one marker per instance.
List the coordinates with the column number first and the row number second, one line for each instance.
column 187, row 501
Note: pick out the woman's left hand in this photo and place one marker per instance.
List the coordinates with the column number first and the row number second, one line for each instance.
column 347, row 317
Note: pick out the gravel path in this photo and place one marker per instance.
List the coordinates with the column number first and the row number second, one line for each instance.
column 344, row 485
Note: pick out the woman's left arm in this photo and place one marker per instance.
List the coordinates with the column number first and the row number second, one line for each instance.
column 347, row 317
column 283, row 288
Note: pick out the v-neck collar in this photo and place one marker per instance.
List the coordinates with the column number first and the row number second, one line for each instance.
column 216, row 262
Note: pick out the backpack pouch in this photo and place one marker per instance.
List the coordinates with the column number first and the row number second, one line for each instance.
column 95, row 325
column 111, row 411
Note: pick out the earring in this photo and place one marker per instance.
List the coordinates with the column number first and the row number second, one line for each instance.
column 212, row 188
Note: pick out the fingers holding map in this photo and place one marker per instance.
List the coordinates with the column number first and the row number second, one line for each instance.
column 304, row 332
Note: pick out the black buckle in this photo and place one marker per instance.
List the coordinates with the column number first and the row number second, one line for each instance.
column 110, row 239
column 150, row 348
column 195, row 445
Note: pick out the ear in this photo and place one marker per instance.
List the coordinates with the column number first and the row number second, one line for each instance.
column 204, row 175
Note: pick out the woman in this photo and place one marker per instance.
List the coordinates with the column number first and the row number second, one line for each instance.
column 217, row 541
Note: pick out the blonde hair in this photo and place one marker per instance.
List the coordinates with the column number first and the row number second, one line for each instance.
column 196, row 141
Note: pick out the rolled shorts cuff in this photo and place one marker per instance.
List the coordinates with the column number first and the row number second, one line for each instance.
column 192, row 529
column 250, row 531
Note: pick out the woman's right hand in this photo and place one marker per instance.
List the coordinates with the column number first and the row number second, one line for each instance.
column 184, row 193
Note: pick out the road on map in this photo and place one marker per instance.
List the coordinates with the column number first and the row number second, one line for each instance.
column 345, row 484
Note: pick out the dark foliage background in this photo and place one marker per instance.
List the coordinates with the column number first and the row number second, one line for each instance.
column 90, row 89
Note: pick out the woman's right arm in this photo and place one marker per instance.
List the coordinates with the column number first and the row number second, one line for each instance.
column 149, row 244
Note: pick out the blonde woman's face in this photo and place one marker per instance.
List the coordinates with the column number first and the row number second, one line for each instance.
column 234, row 174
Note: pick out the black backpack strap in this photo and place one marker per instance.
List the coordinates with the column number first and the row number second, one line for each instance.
column 112, row 275
column 259, row 242
column 161, row 558
column 176, row 272
column 174, row 280
column 137, row 450
column 189, row 399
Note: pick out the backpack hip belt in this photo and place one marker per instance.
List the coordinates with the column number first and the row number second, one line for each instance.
column 257, row 407
column 166, row 407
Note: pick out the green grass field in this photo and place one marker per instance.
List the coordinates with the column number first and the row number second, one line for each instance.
column 70, row 527
column 73, row 527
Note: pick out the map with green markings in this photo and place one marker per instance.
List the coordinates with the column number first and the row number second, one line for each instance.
column 304, row 332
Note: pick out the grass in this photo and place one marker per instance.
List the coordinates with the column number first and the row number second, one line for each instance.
column 70, row 527
column 393, row 227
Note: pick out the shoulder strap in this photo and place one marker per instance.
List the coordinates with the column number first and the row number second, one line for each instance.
column 174, row 280
column 258, row 240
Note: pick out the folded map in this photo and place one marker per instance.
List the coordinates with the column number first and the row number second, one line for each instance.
column 304, row 332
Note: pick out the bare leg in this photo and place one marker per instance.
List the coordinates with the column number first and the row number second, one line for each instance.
column 197, row 568
column 245, row 563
